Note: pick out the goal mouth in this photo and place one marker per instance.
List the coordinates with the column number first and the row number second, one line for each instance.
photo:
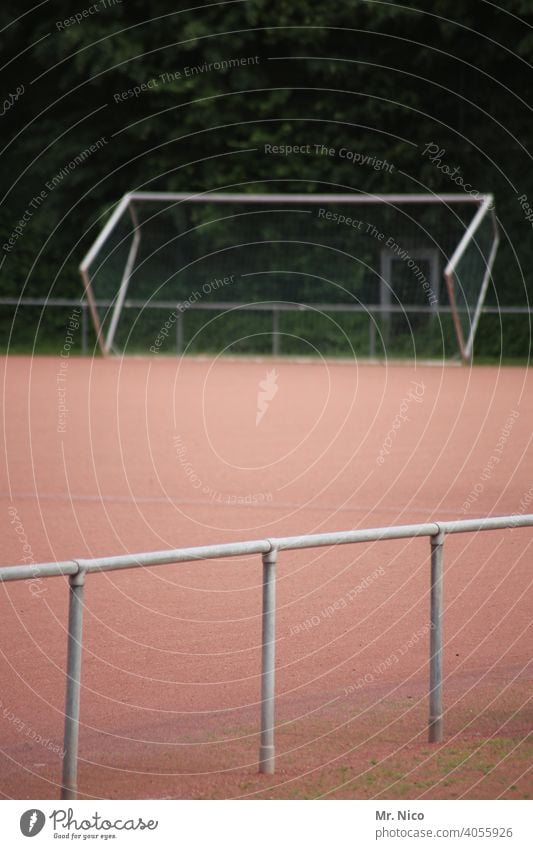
column 394, row 275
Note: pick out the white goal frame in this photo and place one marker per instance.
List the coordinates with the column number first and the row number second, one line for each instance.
column 483, row 204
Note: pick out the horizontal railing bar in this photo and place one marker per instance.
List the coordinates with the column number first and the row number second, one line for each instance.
column 345, row 537
column 38, row 570
column 262, row 546
column 492, row 523
column 179, row 555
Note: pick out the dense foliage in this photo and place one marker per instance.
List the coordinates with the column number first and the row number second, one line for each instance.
column 220, row 81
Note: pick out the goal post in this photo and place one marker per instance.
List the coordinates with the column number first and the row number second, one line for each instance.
column 343, row 259
column 458, row 285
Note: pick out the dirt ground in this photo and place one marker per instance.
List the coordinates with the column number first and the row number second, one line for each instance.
column 112, row 456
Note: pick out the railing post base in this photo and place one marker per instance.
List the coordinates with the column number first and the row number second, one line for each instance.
column 435, row 729
column 267, row 760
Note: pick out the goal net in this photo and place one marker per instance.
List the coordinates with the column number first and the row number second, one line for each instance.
column 327, row 274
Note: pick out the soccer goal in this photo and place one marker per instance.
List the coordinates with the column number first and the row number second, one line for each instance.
column 292, row 273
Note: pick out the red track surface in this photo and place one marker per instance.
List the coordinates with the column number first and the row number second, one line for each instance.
column 166, row 453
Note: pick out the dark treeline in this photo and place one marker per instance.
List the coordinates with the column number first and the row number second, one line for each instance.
column 108, row 97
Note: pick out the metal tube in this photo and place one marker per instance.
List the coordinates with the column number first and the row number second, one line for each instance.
column 237, row 549
column 179, row 333
column 487, row 201
column 435, row 729
column 84, row 327
column 492, row 523
column 180, row 555
column 72, row 701
column 89, row 294
column 449, row 274
column 93, row 250
column 485, row 284
column 126, row 277
column 355, row 197
column 268, row 661
column 372, row 336
column 264, row 305
column 346, row 537
column 275, row 332
column 449, row 277
column 37, row 570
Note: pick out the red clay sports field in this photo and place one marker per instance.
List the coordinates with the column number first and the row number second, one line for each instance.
column 147, row 454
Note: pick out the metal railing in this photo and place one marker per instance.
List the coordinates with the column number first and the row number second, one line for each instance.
column 77, row 570
column 276, row 308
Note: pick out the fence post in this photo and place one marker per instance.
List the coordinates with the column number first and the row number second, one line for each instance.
column 268, row 660
column 435, row 729
column 275, row 332
column 72, row 701
column 84, row 327
column 179, row 333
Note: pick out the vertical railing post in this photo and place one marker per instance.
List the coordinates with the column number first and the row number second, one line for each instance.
column 72, row 701
column 435, row 641
column 268, row 660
